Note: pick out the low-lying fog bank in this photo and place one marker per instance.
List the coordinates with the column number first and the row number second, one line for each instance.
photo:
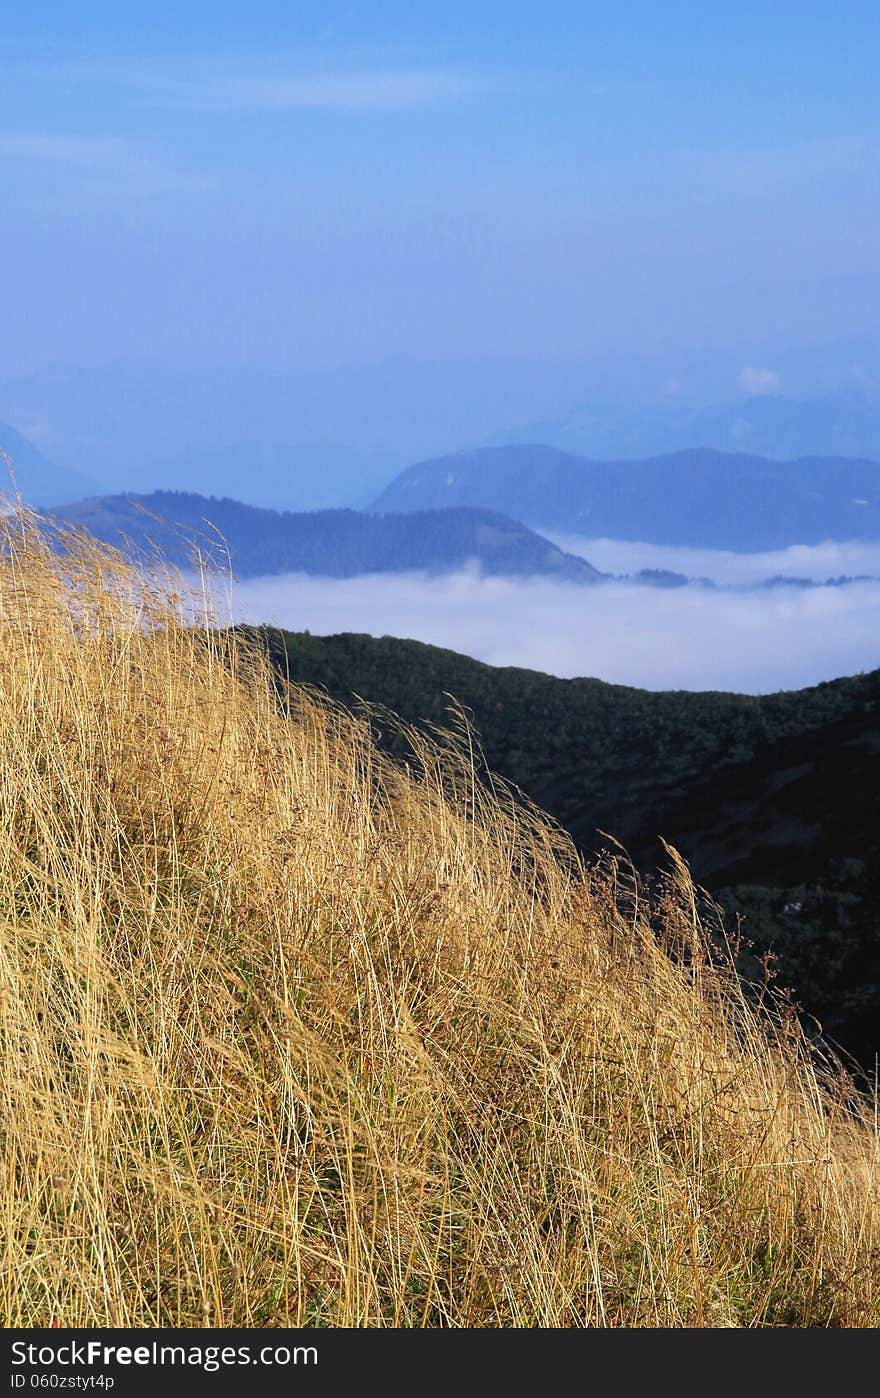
column 684, row 638
column 817, row 562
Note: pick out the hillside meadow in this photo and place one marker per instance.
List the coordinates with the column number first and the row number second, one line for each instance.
column 295, row 1033
column 773, row 799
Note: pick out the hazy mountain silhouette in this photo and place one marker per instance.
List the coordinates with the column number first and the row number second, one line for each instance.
column 332, row 543
column 28, row 473
column 702, row 498
column 775, row 425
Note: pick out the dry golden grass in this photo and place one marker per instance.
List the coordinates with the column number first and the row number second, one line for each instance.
column 292, row 1036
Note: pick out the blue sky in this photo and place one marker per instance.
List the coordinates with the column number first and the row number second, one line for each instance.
column 279, row 250
column 302, row 184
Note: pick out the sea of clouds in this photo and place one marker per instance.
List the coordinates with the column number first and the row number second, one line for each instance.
column 815, row 561
column 656, row 638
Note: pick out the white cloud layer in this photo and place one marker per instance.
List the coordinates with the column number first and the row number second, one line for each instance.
column 651, row 637
column 816, row 561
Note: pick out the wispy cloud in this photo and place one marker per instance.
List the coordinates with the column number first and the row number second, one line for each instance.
column 759, row 383
column 380, row 90
column 85, row 151
column 766, row 171
column 285, row 84
column 110, row 159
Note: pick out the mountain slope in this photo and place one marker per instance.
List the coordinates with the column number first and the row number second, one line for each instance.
column 777, row 425
column 39, row 481
column 295, row 1037
column 700, row 498
column 331, row 543
column 774, row 800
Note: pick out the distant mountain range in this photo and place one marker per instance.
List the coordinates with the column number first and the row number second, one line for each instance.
column 330, row 543
column 346, row 543
column 40, row 482
column 774, row 425
column 701, row 498
column 774, row 800
column 309, row 437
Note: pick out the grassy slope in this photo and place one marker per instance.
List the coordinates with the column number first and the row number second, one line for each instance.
column 773, row 800
column 292, row 1035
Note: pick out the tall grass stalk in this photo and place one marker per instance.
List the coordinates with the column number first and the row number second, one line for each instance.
column 293, row 1035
